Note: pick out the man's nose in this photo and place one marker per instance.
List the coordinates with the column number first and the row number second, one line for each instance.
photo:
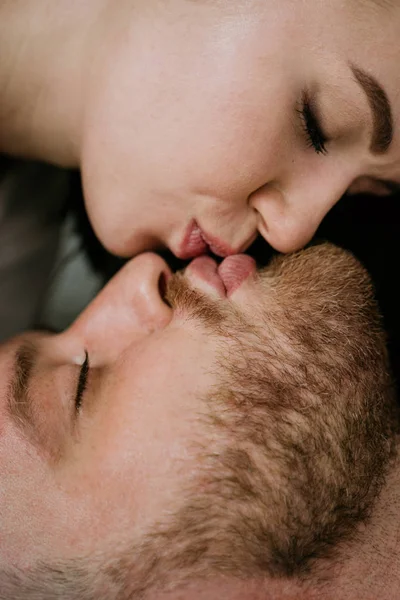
column 289, row 218
column 130, row 307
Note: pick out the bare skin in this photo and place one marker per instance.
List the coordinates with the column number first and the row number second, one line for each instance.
column 136, row 423
column 371, row 569
column 243, row 118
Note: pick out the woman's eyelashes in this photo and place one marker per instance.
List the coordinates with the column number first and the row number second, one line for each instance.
column 315, row 136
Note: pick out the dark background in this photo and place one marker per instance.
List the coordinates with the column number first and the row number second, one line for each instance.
column 369, row 227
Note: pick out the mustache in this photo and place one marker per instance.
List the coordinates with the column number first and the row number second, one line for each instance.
column 191, row 303
column 291, row 289
column 218, row 316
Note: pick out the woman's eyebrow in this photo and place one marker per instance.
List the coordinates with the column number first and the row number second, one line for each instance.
column 379, row 103
column 19, row 401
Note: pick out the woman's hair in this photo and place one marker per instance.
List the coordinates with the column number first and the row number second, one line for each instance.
column 101, row 260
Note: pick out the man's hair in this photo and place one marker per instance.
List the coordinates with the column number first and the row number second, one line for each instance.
column 301, row 430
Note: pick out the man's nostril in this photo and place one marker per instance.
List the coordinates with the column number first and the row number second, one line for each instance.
column 162, row 285
column 162, row 288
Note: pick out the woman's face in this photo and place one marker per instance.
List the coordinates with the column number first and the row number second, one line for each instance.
column 208, row 123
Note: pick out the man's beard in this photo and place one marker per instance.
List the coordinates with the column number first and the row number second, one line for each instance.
column 299, row 429
column 296, row 437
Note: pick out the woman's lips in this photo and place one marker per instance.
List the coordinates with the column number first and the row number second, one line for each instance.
column 196, row 242
column 193, row 243
column 217, row 247
column 225, row 278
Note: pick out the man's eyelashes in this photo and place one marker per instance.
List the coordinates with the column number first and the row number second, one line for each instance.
column 82, row 382
column 315, row 136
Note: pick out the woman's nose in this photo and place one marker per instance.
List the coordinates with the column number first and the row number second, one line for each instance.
column 288, row 221
column 130, row 307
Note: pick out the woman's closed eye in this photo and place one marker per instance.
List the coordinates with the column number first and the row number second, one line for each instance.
column 311, row 124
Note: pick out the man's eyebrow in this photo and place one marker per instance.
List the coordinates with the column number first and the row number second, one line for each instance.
column 382, row 116
column 19, row 402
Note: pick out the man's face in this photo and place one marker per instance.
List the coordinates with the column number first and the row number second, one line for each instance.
column 115, row 460
column 74, row 481
column 210, row 122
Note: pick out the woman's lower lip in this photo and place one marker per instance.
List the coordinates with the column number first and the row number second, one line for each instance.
column 193, row 243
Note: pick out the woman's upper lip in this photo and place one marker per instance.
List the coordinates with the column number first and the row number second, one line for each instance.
column 217, row 246
column 196, row 242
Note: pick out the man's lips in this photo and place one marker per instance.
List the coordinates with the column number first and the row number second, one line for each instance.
column 205, row 268
column 234, row 270
column 196, row 242
column 224, row 278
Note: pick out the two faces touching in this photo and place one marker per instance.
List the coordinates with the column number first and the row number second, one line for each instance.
column 200, row 125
